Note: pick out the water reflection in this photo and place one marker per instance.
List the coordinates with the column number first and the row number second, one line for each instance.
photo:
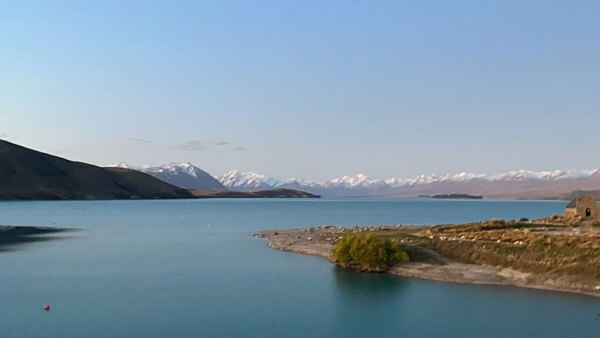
column 382, row 296
column 372, row 285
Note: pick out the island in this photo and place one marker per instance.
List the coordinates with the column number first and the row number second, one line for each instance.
column 548, row 253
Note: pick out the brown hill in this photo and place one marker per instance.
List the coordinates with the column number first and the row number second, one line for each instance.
column 27, row 174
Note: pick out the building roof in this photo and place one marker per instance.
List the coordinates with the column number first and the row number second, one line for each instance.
column 572, row 204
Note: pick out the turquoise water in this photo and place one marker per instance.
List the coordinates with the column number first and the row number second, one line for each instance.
column 190, row 268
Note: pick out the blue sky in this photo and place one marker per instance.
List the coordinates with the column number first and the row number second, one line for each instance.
column 312, row 89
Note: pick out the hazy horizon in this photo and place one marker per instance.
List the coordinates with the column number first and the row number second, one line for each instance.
column 312, row 90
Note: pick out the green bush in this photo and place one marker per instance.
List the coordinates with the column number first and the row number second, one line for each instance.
column 368, row 253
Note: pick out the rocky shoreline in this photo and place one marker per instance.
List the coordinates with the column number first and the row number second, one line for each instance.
column 319, row 241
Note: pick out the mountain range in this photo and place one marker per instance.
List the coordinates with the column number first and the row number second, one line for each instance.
column 520, row 184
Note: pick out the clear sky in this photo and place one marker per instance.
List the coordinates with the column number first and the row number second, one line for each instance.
column 311, row 89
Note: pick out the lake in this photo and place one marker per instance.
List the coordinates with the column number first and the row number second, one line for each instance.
column 190, row 268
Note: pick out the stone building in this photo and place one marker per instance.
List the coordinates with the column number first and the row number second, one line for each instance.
column 585, row 207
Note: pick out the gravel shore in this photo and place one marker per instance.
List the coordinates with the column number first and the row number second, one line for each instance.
column 319, row 241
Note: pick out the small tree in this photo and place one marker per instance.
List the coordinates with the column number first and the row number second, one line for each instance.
column 368, row 252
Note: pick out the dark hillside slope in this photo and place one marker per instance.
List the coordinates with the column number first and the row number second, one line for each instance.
column 27, row 174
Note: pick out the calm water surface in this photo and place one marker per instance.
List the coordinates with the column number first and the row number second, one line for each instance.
column 191, row 269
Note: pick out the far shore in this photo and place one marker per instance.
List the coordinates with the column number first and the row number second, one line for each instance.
column 455, row 264
column 272, row 193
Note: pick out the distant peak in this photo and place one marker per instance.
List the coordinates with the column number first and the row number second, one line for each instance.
column 121, row 165
column 238, row 179
column 175, row 168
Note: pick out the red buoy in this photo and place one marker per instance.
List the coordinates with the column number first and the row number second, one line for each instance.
column 47, row 307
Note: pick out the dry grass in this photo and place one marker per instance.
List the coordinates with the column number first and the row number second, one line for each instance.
column 527, row 247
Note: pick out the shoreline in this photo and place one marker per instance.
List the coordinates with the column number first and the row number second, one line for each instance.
column 319, row 241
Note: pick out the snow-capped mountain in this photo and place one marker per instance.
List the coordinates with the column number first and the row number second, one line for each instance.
column 519, row 175
column 180, row 174
column 237, row 180
column 121, row 165
column 496, row 184
column 513, row 184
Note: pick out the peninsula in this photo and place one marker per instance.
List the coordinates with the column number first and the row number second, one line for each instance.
column 545, row 254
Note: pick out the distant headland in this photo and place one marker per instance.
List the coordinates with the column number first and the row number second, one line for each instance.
column 273, row 193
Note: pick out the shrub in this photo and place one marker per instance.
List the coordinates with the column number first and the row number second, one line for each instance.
column 497, row 222
column 368, row 253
